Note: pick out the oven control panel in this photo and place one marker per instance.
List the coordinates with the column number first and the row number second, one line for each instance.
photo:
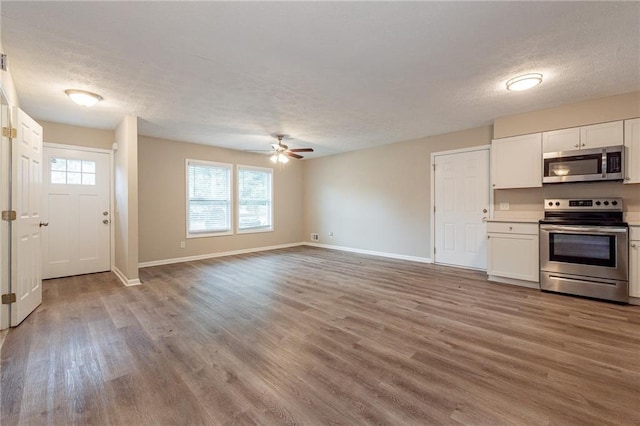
column 584, row 204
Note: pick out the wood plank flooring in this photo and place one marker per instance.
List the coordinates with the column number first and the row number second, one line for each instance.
column 312, row 336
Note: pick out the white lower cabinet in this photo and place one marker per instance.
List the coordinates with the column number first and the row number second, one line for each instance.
column 634, row 262
column 513, row 251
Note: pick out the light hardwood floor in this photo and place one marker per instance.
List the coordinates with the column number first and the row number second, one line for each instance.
column 313, row 336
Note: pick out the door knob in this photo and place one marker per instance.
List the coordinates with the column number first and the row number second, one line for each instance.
column 105, row 213
column 484, row 210
column 106, row 221
column 43, row 224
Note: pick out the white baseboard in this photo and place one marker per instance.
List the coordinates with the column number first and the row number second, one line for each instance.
column 212, row 255
column 281, row 246
column 372, row 252
column 127, row 282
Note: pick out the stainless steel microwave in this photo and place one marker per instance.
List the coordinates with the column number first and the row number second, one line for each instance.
column 584, row 165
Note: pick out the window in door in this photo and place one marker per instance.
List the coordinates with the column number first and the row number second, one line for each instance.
column 209, row 202
column 67, row 171
column 255, row 199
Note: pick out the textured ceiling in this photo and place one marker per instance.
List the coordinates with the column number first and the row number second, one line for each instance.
column 336, row 76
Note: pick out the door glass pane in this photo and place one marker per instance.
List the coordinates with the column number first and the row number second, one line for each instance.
column 58, row 164
column 74, row 178
column 74, row 165
column 58, row 177
column 88, row 167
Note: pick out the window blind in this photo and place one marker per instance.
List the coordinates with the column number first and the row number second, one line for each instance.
column 254, row 198
column 209, row 197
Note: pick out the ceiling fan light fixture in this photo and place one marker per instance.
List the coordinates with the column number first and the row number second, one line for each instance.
column 274, row 158
column 524, row 82
column 82, row 97
column 283, row 158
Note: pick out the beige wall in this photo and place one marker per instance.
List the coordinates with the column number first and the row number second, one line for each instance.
column 593, row 111
column 529, row 202
column 379, row 199
column 163, row 201
column 126, row 193
column 74, row 135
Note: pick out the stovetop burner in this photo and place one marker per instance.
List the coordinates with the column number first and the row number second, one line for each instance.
column 595, row 212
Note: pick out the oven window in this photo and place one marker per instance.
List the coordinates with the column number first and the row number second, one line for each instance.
column 597, row 250
column 573, row 166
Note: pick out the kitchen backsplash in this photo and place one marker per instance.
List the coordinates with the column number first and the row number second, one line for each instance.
column 528, row 202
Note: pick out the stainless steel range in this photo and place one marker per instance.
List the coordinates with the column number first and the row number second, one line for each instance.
column 584, row 248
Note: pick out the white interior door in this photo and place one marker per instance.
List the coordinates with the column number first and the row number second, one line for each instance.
column 76, row 205
column 26, row 187
column 461, row 185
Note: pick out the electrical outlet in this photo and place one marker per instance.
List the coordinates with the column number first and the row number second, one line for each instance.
column 330, row 234
column 504, row 206
column 182, row 244
column 315, row 237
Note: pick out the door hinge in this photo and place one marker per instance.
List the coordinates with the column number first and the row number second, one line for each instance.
column 434, row 250
column 9, row 215
column 434, row 167
column 434, row 208
column 8, row 298
column 9, row 132
column 3, row 61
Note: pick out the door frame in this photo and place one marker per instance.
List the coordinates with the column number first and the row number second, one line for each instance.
column 112, row 194
column 433, row 189
column 5, row 193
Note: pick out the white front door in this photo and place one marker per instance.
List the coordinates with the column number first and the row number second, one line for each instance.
column 26, row 187
column 76, row 204
column 461, row 208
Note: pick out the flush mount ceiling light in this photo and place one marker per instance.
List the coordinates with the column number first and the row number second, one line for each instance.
column 82, row 97
column 524, row 82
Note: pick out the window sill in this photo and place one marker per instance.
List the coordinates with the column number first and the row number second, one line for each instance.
column 210, row 234
column 254, row 230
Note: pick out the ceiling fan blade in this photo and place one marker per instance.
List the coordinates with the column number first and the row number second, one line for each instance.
column 301, row 150
column 291, row 154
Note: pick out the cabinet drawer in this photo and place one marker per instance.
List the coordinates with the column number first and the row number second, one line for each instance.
column 634, row 233
column 512, row 228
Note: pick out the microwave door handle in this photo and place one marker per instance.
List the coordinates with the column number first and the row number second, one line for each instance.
column 599, row 230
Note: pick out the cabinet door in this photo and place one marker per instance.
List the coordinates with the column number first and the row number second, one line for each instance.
column 634, row 269
column 561, row 140
column 516, row 162
column 601, row 135
column 513, row 256
column 632, row 154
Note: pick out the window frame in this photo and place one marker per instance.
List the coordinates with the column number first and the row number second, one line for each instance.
column 205, row 234
column 255, row 229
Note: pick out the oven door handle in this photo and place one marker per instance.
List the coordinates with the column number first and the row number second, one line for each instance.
column 594, row 229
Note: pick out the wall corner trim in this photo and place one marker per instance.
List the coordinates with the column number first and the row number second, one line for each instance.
column 123, row 279
column 372, row 252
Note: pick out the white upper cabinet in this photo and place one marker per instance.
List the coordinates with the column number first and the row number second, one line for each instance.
column 601, row 135
column 632, row 152
column 585, row 137
column 561, row 140
column 516, row 162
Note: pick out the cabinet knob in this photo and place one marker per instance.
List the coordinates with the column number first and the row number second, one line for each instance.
column 627, row 178
column 633, row 245
column 583, row 144
column 511, row 228
column 577, row 146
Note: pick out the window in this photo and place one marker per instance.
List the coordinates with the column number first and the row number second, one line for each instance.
column 255, row 199
column 208, row 199
column 66, row 171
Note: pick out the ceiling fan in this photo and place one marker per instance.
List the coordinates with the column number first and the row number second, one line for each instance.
column 280, row 151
